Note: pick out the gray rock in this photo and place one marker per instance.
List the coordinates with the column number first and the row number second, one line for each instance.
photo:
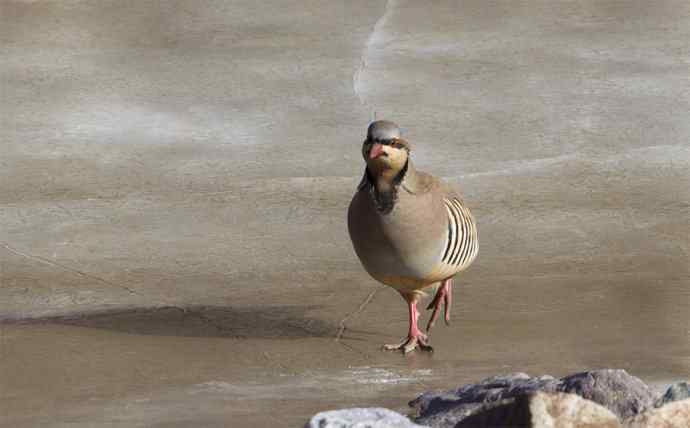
column 446, row 409
column 677, row 392
column 616, row 390
column 374, row 417
column 672, row 415
column 623, row 394
column 540, row 410
column 509, row 413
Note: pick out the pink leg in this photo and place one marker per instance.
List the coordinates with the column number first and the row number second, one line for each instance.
column 415, row 337
column 445, row 295
column 413, row 317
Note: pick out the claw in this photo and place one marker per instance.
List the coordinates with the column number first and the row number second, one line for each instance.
column 410, row 344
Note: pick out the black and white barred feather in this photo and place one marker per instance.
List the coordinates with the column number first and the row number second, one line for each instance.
column 461, row 239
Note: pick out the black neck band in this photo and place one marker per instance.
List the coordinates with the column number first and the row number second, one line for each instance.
column 385, row 201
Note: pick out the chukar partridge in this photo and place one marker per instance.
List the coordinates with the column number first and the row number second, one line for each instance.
column 409, row 229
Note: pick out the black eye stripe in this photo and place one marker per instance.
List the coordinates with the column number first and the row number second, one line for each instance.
column 391, row 142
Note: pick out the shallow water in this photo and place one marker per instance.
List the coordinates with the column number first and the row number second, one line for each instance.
column 174, row 181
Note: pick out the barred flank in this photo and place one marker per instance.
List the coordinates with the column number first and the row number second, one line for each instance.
column 461, row 242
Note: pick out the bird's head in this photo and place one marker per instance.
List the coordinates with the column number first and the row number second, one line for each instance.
column 384, row 151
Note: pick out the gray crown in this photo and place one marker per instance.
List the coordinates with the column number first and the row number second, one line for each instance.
column 383, row 130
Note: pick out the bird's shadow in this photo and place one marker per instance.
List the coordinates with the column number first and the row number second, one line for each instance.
column 201, row 321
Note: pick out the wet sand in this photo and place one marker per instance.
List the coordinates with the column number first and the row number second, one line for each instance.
column 174, row 180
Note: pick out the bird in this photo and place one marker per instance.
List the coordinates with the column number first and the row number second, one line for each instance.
column 409, row 229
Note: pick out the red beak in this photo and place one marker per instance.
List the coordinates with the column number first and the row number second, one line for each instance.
column 376, row 151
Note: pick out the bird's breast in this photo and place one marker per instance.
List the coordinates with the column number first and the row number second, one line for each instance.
column 403, row 245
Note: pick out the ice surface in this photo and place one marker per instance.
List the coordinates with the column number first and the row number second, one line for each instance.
column 174, row 180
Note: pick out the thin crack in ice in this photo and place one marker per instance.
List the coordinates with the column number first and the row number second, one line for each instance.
column 347, row 317
column 357, row 77
column 63, row 267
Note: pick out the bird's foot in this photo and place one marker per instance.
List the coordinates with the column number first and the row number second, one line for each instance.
column 412, row 342
column 443, row 296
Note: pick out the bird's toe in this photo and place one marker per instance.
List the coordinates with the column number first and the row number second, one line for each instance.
column 410, row 346
column 395, row 346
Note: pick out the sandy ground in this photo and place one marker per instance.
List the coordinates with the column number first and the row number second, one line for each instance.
column 174, row 179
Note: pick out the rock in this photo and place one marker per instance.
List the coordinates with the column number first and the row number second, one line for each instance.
column 445, row 409
column 374, row 417
column 510, row 413
column 568, row 411
column 539, row 410
column 622, row 394
column 672, row 415
column 677, row 392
